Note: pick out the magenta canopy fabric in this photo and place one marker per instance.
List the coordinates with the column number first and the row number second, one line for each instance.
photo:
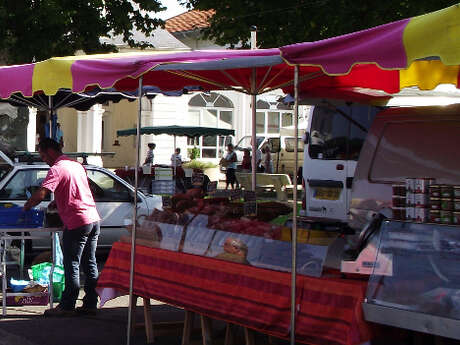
column 364, row 66
column 390, row 46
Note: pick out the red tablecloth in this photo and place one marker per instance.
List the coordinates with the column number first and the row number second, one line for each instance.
column 328, row 309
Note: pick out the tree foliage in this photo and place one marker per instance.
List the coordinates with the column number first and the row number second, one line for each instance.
column 38, row 29
column 290, row 21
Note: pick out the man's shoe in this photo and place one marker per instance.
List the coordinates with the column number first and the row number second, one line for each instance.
column 86, row 311
column 59, row 311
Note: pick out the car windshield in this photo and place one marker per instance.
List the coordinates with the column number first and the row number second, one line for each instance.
column 245, row 143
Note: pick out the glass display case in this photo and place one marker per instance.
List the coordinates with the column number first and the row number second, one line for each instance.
column 219, row 229
column 415, row 282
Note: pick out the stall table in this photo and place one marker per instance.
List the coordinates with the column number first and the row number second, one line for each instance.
column 328, row 308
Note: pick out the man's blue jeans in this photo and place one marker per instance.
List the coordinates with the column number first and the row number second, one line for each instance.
column 79, row 246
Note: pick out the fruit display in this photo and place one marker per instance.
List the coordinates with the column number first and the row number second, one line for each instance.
column 245, row 226
column 221, row 214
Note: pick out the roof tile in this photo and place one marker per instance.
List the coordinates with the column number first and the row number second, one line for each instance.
column 189, row 21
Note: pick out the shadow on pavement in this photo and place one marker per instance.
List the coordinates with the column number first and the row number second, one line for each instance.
column 107, row 327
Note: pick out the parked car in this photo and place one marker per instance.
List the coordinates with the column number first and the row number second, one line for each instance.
column 114, row 196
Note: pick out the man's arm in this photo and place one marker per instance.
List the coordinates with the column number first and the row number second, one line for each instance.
column 36, row 198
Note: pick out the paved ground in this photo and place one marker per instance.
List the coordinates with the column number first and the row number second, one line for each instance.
column 27, row 326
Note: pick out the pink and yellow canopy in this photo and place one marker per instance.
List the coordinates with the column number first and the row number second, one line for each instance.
column 371, row 64
column 422, row 51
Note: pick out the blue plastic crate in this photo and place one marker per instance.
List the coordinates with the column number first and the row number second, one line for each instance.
column 15, row 217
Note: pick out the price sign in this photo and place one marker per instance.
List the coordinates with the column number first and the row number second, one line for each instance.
column 212, row 187
column 166, row 199
column 249, row 195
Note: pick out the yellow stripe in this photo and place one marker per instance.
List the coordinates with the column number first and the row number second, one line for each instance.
column 434, row 34
column 428, row 74
column 52, row 74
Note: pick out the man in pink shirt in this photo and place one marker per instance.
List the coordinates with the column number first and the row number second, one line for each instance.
column 75, row 204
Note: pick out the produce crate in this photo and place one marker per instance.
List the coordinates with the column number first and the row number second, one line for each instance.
column 15, row 217
column 165, row 174
column 163, row 187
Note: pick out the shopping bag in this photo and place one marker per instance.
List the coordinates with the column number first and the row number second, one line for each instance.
column 223, row 162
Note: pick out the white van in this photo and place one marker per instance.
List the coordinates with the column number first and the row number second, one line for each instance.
column 333, row 141
column 281, row 148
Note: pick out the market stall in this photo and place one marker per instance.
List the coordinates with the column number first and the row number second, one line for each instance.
column 148, row 173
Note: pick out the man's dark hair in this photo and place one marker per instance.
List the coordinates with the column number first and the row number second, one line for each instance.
column 48, row 143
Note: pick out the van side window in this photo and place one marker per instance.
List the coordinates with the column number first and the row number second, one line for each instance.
column 289, row 144
column 363, row 115
column 417, row 149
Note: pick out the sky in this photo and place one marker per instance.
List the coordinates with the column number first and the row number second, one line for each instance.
column 173, row 9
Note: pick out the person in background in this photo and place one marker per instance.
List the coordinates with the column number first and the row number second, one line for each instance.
column 246, row 162
column 68, row 181
column 150, row 156
column 59, row 135
column 259, row 166
column 176, row 158
column 176, row 162
column 267, row 163
column 231, row 167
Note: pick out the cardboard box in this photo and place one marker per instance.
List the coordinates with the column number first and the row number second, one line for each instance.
column 41, row 299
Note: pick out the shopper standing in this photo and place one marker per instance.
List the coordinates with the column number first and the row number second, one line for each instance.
column 231, row 167
column 75, row 204
column 150, row 157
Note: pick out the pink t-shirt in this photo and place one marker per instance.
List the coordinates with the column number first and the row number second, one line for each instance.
column 67, row 179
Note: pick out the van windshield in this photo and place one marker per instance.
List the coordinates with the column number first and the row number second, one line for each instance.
column 339, row 133
column 245, row 143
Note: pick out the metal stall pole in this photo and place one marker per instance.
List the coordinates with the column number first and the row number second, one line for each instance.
column 254, row 141
column 175, row 160
column 50, row 112
column 134, row 224
column 294, row 207
column 253, row 117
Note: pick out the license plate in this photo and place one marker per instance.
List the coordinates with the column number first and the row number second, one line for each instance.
column 324, row 193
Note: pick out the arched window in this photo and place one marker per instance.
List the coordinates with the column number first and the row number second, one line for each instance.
column 272, row 115
column 210, row 110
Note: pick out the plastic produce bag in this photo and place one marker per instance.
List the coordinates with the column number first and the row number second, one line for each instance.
column 41, row 273
column 58, row 254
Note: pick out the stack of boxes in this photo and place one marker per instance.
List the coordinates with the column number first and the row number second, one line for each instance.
column 410, row 200
column 445, row 204
column 421, row 200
